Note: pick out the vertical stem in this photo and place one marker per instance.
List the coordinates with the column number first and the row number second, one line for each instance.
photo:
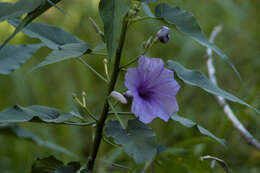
column 101, row 122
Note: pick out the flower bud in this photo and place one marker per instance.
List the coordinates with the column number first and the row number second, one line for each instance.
column 128, row 94
column 164, row 34
column 118, row 96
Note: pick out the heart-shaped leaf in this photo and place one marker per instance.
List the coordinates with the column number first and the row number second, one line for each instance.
column 138, row 140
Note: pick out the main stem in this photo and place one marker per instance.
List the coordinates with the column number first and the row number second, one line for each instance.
column 111, row 85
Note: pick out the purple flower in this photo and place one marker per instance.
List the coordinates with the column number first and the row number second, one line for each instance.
column 164, row 34
column 153, row 88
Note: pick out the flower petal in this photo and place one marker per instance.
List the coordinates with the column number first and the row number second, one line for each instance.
column 153, row 88
column 149, row 69
column 143, row 110
column 132, row 79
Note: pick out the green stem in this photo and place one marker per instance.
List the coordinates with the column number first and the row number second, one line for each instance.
column 90, row 114
column 92, row 69
column 130, row 62
column 80, row 124
column 103, row 117
column 138, row 19
column 98, row 53
column 121, row 113
column 115, row 112
column 111, row 143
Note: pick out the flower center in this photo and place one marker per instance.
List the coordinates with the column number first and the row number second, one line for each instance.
column 145, row 94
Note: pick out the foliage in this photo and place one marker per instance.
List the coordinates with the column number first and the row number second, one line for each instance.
column 122, row 19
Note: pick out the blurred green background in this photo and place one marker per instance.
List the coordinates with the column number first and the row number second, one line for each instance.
column 53, row 86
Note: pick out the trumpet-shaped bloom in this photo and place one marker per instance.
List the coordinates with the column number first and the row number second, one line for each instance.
column 153, row 89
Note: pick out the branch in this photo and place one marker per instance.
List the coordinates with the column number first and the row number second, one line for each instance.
column 222, row 102
column 111, row 85
column 221, row 162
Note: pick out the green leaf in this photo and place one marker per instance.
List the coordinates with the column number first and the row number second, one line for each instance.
column 147, row 1
column 196, row 78
column 22, row 133
column 53, row 165
column 113, row 13
column 52, row 36
column 147, row 10
column 28, row 19
column 138, row 140
column 67, row 51
column 186, row 23
column 10, row 10
column 189, row 123
column 84, row 171
column 13, row 57
column 17, row 114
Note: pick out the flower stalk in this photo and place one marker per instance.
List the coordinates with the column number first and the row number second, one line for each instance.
column 111, row 85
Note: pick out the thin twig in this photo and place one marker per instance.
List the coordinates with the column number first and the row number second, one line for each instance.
column 120, row 166
column 228, row 111
column 115, row 112
column 109, row 142
column 116, row 165
column 80, row 124
column 92, row 69
column 89, row 113
column 121, row 113
column 222, row 163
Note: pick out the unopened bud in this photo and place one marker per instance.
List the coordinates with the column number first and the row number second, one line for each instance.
column 118, row 96
column 128, row 94
column 163, row 34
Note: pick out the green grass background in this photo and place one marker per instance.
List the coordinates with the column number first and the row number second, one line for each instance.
column 53, row 86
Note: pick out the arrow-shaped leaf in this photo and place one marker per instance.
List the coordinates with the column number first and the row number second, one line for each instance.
column 196, row 78
column 45, row 114
column 73, row 50
column 113, row 13
column 28, row 19
column 11, row 10
column 189, row 123
column 186, row 23
column 12, row 57
column 51, row 36
column 22, row 133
